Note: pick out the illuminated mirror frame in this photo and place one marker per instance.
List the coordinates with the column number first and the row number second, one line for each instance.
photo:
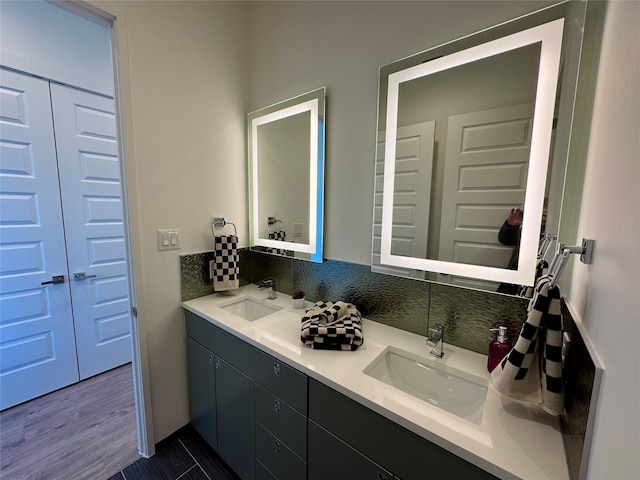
column 312, row 102
column 549, row 35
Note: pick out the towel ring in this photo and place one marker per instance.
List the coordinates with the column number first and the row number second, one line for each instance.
column 220, row 222
column 271, row 221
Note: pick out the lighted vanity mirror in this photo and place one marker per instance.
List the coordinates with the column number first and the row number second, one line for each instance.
column 286, row 177
column 465, row 135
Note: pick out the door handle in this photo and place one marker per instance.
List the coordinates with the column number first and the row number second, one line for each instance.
column 82, row 276
column 56, row 279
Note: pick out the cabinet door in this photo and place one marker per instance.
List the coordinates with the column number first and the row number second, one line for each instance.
column 330, row 457
column 202, row 391
column 236, row 430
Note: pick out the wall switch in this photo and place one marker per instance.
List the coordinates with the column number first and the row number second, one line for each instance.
column 168, row 239
column 297, row 230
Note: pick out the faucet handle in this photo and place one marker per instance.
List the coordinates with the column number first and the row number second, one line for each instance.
column 437, row 332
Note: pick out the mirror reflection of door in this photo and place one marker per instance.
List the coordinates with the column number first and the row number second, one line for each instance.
column 485, row 177
column 482, row 113
column 413, row 171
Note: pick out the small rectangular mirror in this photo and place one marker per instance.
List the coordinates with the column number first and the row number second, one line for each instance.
column 286, row 176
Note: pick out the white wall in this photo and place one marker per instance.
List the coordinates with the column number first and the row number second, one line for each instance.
column 41, row 38
column 183, row 96
column 299, row 46
column 606, row 294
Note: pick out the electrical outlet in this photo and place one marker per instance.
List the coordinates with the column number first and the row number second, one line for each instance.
column 168, row 239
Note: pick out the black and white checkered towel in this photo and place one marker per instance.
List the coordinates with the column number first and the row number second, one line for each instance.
column 532, row 371
column 280, row 235
column 226, row 274
column 332, row 326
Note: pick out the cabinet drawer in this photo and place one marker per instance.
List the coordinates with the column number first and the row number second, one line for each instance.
column 379, row 438
column 283, row 421
column 282, row 380
column 330, row 457
column 229, row 347
column 262, row 473
column 278, row 458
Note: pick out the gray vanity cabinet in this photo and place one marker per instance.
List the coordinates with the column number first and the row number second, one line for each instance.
column 234, row 400
column 404, row 453
column 281, row 420
column 202, row 391
column 221, row 392
column 271, row 422
column 250, row 407
column 330, row 457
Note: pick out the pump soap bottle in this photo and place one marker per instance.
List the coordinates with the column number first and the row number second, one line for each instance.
column 498, row 348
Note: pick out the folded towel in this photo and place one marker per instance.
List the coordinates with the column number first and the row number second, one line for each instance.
column 226, row 272
column 533, row 372
column 327, row 312
column 332, row 326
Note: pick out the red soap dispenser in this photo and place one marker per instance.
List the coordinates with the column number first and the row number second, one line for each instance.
column 498, row 348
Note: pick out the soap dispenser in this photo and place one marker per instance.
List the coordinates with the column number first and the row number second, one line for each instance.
column 498, row 348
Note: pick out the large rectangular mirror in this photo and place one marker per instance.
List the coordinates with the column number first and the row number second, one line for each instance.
column 286, row 177
column 466, row 131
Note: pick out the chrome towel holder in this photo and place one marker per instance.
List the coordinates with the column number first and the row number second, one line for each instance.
column 220, row 222
column 271, row 221
column 562, row 256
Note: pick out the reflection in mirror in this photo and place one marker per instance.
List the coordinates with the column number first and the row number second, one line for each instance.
column 464, row 138
column 286, row 176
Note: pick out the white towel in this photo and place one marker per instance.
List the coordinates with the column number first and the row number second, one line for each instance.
column 226, row 272
column 532, row 371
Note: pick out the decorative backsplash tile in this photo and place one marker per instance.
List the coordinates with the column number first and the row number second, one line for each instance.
column 412, row 305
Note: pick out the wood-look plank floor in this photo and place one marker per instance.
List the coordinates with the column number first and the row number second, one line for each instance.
column 84, row 431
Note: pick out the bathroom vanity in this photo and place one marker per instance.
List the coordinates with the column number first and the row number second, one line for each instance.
column 274, row 408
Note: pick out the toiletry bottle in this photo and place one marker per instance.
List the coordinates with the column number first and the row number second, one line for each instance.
column 498, row 348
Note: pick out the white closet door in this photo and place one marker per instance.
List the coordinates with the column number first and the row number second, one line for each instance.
column 37, row 346
column 87, row 147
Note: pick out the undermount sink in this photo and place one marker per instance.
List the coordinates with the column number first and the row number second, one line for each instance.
column 250, row 308
column 453, row 390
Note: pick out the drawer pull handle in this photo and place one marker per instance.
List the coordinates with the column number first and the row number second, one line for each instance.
column 210, row 359
column 276, row 446
column 382, row 476
column 276, row 406
column 276, row 368
column 217, row 363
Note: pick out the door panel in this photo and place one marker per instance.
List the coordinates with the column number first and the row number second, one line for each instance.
column 87, row 148
column 37, row 345
column 411, row 201
column 485, row 177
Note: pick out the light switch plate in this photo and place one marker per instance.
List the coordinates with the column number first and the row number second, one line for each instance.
column 297, row 230
column 168, row 239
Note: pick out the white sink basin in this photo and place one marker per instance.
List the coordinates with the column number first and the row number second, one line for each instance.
column 452, row 390
column 250, row 308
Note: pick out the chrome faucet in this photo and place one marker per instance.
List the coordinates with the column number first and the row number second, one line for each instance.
column 435, row 339
column 271, row 285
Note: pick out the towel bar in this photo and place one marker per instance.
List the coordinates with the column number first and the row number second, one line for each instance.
column 220, row 222
column 562, row 256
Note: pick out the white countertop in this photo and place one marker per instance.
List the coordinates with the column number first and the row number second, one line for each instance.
column 514, row 440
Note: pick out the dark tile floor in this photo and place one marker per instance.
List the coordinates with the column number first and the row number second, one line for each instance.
column 183, row 455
